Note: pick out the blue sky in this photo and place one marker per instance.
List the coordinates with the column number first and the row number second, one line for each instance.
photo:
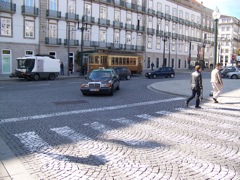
column 226, row 7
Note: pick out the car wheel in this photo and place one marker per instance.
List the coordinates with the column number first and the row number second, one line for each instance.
column 172, row 75
column 84, row 94
column 154, row 76
column 111, row 92
column 234, row 76
column 36, row 77
column 128, row 77
column 118, row 87
column 51, row 76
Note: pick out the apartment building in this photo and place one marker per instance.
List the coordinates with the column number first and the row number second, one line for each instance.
column 228, row 39
column 169, row 33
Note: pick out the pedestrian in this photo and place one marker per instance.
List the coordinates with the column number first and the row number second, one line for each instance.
column 152, row 66
column 196, row 86
column 62, row 68
column 217, row 83
column 70, row 68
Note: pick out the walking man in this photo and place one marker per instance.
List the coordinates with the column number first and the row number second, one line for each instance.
column 217, row 83
column 196, row 86
column 152, row 66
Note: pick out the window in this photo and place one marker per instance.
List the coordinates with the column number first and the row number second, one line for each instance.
column 71, row 6
column 52, row 30
column 53, row 5
column 129, row 18
column 198, row 20
column 167, row 9
column 103, row 35
column 139, row 39
column 149, row 44
column 128, row 38
column 139, row 2
column 173, row 45
column 116, row 36
column 173, row 28
column 158, row 43
column 228, row 28
column 150, row 22
column 166, row 26
column 186, row 48
column 103, row 12
column 186, row 16
column 159, row 24
column 117, row 15
column 29, row 29
column 181, row 29
column 159, row 7
column 86, row 36
column 72, row 31
column 29, row 53
column 223, row 29
column 29, row 3
column 174, row 12
column 88, row 9
column 51, row 53
column 181, row 14
column 150, row 4
column 192, row 18
column 6, row 27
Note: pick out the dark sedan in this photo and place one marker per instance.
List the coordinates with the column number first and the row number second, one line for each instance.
column 101, row 81
column 162, row 71
column 123, row 72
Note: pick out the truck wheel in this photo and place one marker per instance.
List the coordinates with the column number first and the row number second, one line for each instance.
column 51, row 76
column 36, row 77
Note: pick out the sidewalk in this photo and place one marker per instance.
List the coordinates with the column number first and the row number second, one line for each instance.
column 230, row 94
column 11, row 167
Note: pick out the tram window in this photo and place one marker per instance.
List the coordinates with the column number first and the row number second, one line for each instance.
column 127, row 61
column 116, row 61
column 120, row 61
column 90, row 60
column 96, row 59
column 112, row 60
column 104, row 59
column 124, row 61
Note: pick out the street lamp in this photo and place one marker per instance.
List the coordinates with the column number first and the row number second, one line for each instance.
column 164, row 38
column 82, row 30
column 216, row 15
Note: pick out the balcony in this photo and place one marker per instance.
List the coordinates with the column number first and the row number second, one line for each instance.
column 175, row 19
column 129, row 26
column 88, row 19
column 140, row 29
column 117, row 24
column 168, row 17
column 174, row 35
column 159, row 32
column 7, row 7
column 106, row 1
column 72, row 17
column 187, row 38
column 117, row 46
column 160, row 14
column 103, row 22
column 129, row 47
column 187, row 22
column 181, row 37
column 94, row 44
column 140, row 48
column 151, row 12
column 141, row 8
column 72, row 42
column 87, row 43
column 53, row 41
column 181, row 21
column 150, row 31
column 122, row 3
column 131, row 6
column 29, row 10
column 53, row 14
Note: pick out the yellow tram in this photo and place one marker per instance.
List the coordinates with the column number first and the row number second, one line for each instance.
column 133, row 62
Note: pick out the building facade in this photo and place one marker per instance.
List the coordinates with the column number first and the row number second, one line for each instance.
column 228, row 40
column 167, row 33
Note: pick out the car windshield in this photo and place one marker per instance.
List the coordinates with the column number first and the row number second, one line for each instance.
column 100, row 75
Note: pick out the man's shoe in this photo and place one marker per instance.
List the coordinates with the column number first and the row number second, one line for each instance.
column 186, row 103
column 215, row 100
column 198, row 107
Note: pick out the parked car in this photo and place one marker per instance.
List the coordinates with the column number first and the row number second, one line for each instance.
column 123, row 72
column 234, row 75
column 162, row 71
column 228, row 69
column 101, row 81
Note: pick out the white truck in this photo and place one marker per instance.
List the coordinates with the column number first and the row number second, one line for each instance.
column 37, row 67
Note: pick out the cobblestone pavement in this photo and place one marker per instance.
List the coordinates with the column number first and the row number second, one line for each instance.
column 183, row 143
